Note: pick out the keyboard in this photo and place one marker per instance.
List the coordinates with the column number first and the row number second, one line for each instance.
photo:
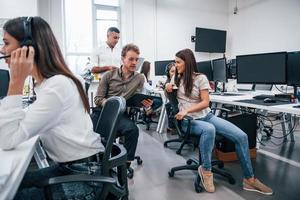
column 226, row 94
column 263, row 96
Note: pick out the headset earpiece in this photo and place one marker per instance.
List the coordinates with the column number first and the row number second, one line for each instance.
column 28, row 40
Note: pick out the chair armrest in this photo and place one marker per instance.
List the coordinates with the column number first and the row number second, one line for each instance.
column 77, row 178
column 120, row 157
column 187, row 118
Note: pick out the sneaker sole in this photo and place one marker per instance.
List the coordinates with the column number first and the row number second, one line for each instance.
column 258, row 191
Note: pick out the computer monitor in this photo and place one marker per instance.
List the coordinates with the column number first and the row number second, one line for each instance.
column 266, row 68
column 210, row 40
column 160, row 67
column 293, row 68
column 4, row 82
column 219, row 70
column 205, row 67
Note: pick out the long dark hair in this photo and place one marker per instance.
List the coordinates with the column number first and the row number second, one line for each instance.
column 168, row 68
column 50, row 61
column 145, row 69
column 190, row 67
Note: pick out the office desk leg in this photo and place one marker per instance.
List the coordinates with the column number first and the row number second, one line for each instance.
column 164, row 116
column 163, row 109
column 40, row 157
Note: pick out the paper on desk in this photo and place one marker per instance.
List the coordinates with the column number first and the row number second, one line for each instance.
column 5, row 170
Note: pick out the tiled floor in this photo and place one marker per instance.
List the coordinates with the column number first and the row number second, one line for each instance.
column 151, row 180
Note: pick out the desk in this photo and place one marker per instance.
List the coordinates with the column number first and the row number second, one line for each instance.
column 286, row 109
column 21, row 157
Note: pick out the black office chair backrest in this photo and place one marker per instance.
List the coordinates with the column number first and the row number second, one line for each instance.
column 108, row 120
column 4, row 82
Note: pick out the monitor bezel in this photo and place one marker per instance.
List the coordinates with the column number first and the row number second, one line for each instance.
column 226, row 71
column 263, row 82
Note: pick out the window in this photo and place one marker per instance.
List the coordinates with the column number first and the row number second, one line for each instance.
column 105, row 17
column 86, row 23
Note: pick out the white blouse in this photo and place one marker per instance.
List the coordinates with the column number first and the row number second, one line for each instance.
column 57, row 116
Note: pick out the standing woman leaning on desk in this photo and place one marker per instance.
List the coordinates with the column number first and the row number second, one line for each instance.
column 60, row 115
column 193, row 98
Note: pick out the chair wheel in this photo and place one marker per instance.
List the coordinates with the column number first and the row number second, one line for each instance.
column 139, row 161
column 189, row 162
column 130, row 173
column 171, row 173
column 231, row 181
column 221, row 165
column 178, row 152
column 165, row 144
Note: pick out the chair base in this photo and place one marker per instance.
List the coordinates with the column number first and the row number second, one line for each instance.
column 193, row 164
column 182, row 141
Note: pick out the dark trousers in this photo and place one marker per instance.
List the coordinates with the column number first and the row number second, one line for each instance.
column 126, row 128
column 130, row 131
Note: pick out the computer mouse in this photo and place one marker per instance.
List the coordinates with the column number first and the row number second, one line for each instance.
column 268, row 100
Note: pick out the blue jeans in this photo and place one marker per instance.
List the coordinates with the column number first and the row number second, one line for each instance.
column 157, row 102
column 229, row 131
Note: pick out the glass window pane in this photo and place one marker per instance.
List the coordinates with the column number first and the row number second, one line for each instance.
column 78, row 26
column 77, row 63
column 107, row 14
column 107, row 2
column 102, row 27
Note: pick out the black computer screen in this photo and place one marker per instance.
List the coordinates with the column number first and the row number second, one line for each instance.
column 293, row 68
column 160, row 67
column 205, row 67
column 4, row 82
column 219, row 70
column 210, row 40
column 267, row 68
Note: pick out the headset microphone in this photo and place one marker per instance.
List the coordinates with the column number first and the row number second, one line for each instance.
column 2, row 57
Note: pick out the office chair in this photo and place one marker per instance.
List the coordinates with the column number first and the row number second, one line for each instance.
column 192, row 163
column 183, row 139
column 112, row 179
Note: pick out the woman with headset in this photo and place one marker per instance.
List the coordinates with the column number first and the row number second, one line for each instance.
column 60, row 114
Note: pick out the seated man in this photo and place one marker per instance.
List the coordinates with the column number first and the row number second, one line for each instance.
column 124, row 82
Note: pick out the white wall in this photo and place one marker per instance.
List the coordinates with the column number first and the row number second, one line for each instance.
column 16, row 8
column 53, row 12
column 264, row 26
column 161, row 28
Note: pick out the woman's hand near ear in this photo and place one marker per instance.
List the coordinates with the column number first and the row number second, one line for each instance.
column 21, row 66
